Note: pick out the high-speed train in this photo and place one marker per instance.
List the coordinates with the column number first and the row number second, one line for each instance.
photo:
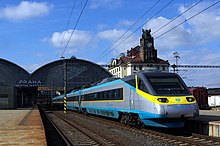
column 147, row 98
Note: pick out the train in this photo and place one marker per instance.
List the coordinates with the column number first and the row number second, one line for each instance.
column 155, row 99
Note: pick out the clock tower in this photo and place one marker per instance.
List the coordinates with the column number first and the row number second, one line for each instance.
column 147, row 50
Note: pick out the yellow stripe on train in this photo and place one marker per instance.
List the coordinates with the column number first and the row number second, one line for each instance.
column 170, row 99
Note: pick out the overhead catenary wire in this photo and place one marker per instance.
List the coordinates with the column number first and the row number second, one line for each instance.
column 80, row 15
column 70, row 16
column 187, row 19
column 174, row 18
column 136, row 29
column 177, row 17
column 174, row 26
column 190, row 18
column 129, row 28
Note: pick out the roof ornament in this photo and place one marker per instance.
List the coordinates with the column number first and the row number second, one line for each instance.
column 146, row 34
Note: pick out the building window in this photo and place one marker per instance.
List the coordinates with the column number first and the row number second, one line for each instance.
column 134, row 67
column 140, row 67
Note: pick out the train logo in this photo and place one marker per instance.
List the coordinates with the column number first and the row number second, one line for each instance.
column 178, row 99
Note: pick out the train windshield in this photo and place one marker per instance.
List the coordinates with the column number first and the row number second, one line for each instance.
column 168, row 85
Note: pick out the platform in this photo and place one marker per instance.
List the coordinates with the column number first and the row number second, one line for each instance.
column 208, row 123
column 21, row 127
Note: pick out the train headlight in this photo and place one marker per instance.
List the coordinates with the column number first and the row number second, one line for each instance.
column 190, row 99
column 162, row 100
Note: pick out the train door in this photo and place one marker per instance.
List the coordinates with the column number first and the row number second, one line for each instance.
column 131, row 99
column 80, row 100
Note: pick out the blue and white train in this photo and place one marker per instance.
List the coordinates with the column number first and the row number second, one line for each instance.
column 152, row 99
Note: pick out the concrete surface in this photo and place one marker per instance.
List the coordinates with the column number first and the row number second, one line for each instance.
column 21, row 128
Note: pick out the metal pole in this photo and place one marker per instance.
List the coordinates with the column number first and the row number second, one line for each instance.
column 176, row 55
column 65, row 84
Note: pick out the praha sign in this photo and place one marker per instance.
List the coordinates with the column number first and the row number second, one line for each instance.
column 29, row 83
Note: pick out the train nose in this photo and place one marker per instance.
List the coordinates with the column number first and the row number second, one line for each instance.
column 180, row 111
column 160, row 109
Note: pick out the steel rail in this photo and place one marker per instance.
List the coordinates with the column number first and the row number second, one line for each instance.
column 93, row 136
column 59, row 132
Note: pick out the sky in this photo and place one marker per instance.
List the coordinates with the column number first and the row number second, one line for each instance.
column 34, row 33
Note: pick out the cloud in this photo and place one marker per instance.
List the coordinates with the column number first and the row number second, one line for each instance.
column 79, row 40
column 102, row 26
column 175, row 38
column 113, row 35
column 110, row 4
column 126, row 23
column 25, row 10
column 205, row 26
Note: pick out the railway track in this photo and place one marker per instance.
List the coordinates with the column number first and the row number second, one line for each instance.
column 176, row 137
column 75, row 134
column 81, row 123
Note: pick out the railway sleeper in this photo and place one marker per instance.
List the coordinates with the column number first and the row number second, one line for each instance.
column 131, row 119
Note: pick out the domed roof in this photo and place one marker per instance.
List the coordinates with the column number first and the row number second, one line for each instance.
column 11, row 73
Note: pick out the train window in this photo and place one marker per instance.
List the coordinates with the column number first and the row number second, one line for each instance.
column 91, row 96
column 70, row 99
column 102, row 94
column 112, row 94
column 95, row 96
column 168, row 85
column 119, row 94
column 115, row 94
column 88, row 97
column 98, row 95
column 105, row 95
column 141, row 85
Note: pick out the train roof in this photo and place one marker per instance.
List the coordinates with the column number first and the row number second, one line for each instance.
column 158, row 74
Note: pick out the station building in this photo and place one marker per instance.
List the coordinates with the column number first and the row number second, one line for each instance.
column 18, row 88
column 141, row 57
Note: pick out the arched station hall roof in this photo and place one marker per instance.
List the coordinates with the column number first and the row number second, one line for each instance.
column 79, row 73
column 11, row 74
